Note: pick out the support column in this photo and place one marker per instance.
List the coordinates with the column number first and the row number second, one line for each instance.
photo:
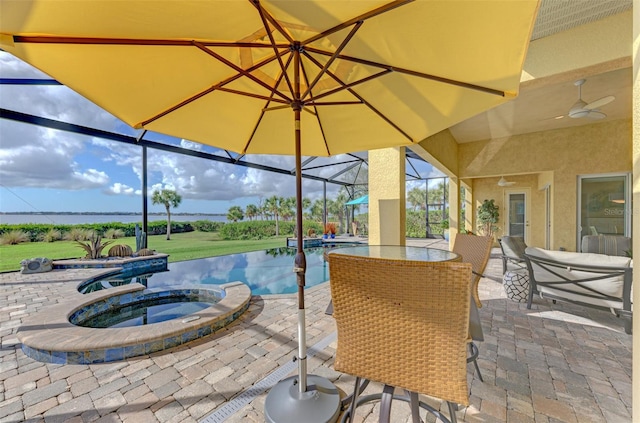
column 387, row 203
column 466, row 202
column 454, row 210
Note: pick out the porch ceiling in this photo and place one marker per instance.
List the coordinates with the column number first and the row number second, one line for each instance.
column 544, row 96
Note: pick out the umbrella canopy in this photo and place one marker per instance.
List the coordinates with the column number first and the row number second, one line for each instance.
column 372, row 73
column 360, row 200
column 358, row 75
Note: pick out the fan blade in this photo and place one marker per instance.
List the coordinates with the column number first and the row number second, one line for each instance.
column 596, row 115
column 599, row 103
column 504, row 183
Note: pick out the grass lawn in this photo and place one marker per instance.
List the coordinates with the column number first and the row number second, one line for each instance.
column 183, row 246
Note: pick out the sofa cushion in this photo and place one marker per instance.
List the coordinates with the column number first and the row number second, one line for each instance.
column 582, row 259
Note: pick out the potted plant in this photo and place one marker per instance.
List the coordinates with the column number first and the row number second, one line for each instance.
column 330, row 229
column 487, row 217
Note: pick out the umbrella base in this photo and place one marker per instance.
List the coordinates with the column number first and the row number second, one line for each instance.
column 285, row 404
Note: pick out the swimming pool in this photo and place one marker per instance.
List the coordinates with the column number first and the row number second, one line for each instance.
column 265, row 272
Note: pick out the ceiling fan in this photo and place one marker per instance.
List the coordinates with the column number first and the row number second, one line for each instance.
column 504, row 183
column 591, row 110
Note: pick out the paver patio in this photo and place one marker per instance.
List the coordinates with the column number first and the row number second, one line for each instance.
column 554, row 363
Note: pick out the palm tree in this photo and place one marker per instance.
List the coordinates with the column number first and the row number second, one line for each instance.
column 317, row 211
column 272, row 206
column 417, row 197
column 235, row 213
column 439, row 194
column 287, row 207
column 306, row 203
column 251, row 211
column 337, row 206
column 168, row 198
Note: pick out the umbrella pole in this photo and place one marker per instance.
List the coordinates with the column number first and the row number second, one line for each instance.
column 301, row 398
column 300, row 263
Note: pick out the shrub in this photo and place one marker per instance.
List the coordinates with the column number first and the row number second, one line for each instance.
column 159, row 227
column 36, row 231
column 114, row 233
column 93, row 246
column 51, row 235
column 14, row 237
column 207, row 225
column 309, row 224
column 80, row 234
column 257, row 229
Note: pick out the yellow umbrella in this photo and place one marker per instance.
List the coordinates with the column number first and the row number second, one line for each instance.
column 358, row 75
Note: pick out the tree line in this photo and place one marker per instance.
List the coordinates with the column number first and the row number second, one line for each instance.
column 284, row 209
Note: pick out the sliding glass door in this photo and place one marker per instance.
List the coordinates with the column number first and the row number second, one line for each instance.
column 604, row 205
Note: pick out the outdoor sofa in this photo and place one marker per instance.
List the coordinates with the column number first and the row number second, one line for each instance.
column 611, row 245
column 588, row 279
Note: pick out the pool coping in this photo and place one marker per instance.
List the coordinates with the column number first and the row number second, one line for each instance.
column 49, row 336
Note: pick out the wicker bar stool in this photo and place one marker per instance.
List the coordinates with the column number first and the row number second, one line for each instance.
column 475, row 250
column 404, row 324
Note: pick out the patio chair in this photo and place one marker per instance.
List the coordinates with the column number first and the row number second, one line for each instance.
column 475, row 250
column 513, row 254
column 403, row 324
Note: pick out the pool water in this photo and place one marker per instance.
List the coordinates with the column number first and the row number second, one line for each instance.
column 145, row 313
column 265, row 272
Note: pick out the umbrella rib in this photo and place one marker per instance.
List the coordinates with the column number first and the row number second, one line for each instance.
column 353, row 84
column 241, row 71
column 261, row 97
column 262, row 13
column 412, row 72
column 370, row 14
column 47, row 39
column 341, row 47
column 317, row 115
column 356, row 95
column 264, row 109
column 205, row 92
column 268, row 109
column 333, row 103
column 273, row 21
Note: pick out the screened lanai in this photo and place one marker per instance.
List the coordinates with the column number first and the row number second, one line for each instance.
column 39, row 114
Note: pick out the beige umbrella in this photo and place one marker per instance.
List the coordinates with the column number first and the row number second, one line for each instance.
column 358, row 75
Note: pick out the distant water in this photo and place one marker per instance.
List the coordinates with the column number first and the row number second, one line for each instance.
column 73, row 219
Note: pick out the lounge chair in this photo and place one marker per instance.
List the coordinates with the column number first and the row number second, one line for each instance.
column 513, row 254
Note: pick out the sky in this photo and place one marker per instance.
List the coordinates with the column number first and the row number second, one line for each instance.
column 44, row 169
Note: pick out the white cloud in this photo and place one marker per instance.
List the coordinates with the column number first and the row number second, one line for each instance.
column 191, row 145
column 121, row 189
column 32, row 156
column 92, row 176
column 44, row 159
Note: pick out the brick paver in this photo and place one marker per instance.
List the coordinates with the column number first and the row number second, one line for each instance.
column 554, row 363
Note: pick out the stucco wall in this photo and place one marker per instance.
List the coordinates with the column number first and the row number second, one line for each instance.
column 590, row 149
column 487, row 188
